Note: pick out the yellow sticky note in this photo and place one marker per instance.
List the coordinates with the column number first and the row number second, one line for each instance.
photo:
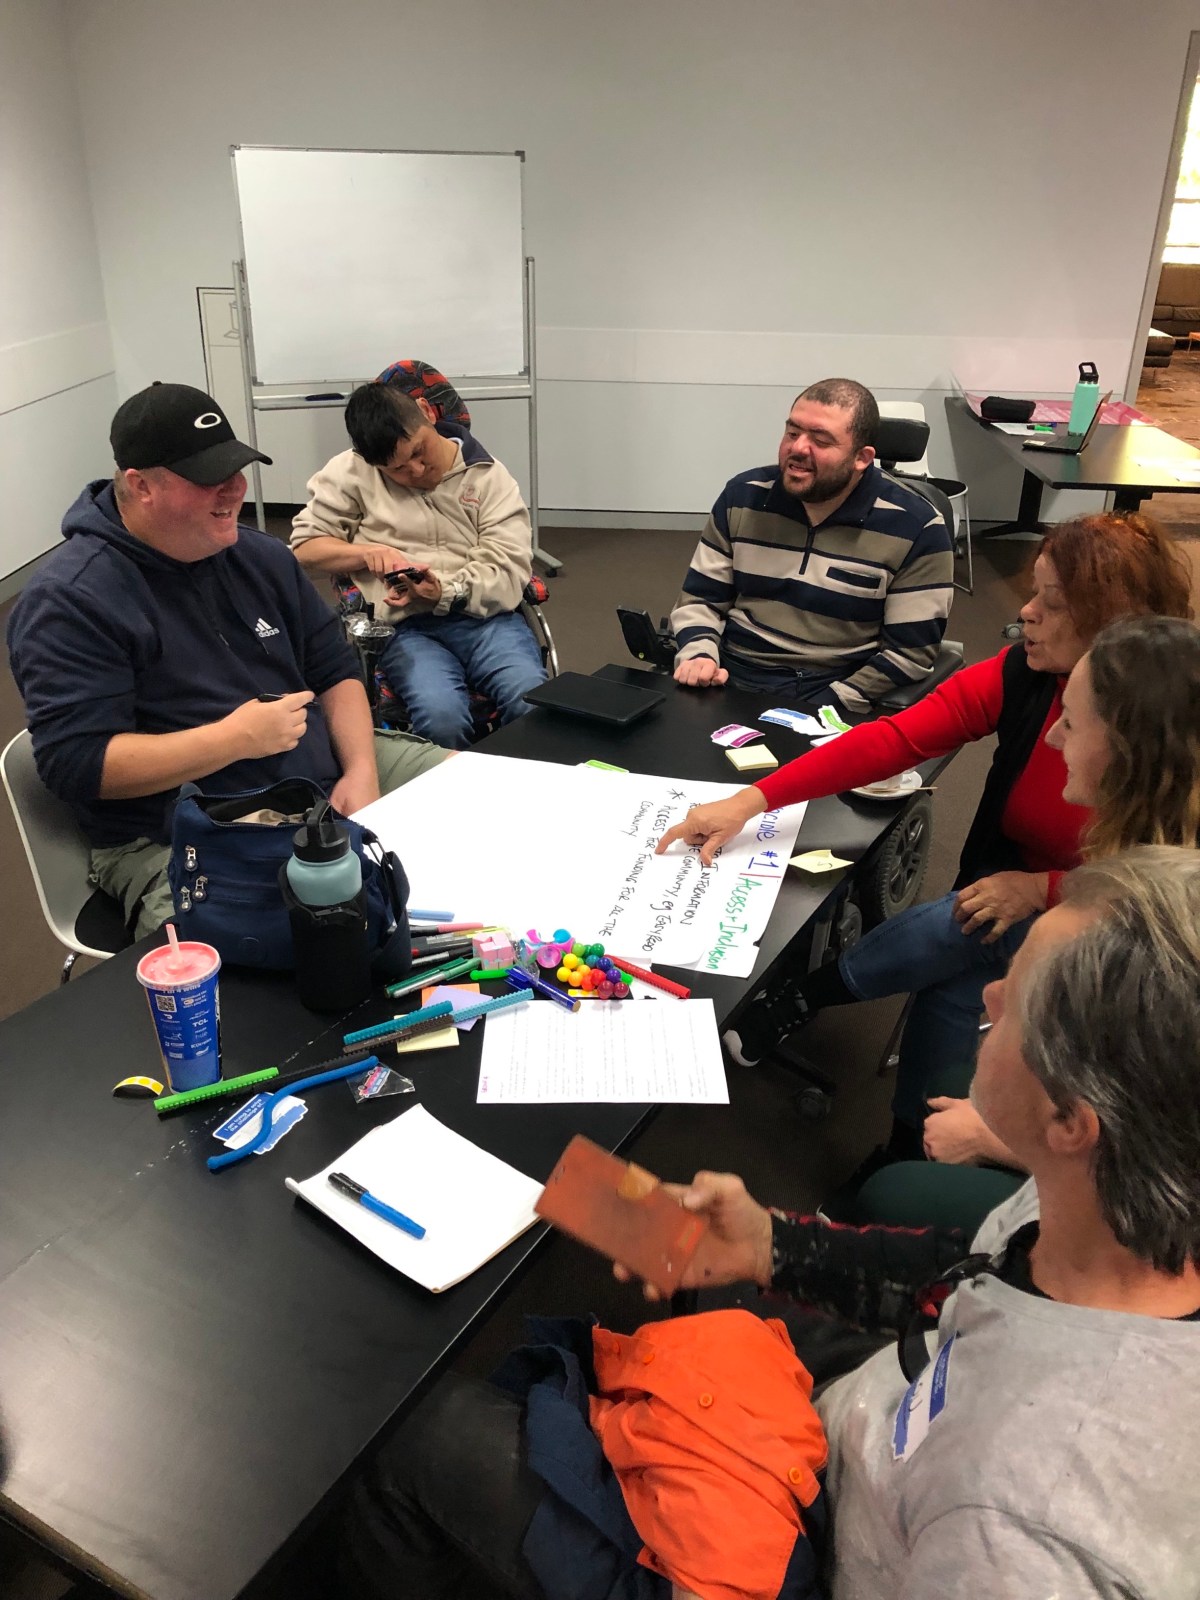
column 751, row 758
column 818, row 861
column 440, row 1039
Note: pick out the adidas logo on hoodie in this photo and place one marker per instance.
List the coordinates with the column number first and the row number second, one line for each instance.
column 264, row 630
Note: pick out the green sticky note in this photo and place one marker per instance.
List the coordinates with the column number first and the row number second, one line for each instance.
column 832, row 721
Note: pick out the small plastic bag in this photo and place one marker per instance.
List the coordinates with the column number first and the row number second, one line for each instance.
column 378, row 1081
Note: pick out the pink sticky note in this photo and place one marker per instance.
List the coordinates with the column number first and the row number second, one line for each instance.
column 735, row 734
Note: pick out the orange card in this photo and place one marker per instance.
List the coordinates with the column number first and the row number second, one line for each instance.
column 622, row 1211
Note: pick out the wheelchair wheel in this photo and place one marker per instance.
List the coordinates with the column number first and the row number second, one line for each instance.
column 893, row 881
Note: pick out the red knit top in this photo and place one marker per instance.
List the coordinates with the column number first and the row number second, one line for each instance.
column 1045, row 829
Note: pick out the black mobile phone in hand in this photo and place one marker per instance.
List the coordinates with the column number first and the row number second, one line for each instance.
column 415, row 574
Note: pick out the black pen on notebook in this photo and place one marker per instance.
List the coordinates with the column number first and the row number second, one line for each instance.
column 356, row 1191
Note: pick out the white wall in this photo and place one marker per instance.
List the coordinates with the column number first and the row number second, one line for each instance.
column 57, row 390
column 725, row 202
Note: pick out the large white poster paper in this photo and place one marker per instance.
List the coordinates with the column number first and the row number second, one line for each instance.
column 531, row 844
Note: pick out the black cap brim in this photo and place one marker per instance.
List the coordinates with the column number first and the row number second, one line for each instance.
column 220, row 461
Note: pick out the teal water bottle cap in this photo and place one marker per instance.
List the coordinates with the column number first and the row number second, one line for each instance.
column 320, row 839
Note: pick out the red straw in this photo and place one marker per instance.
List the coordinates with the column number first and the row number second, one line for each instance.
column 650, row 977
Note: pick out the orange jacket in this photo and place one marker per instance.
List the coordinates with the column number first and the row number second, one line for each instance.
column 708, row 1423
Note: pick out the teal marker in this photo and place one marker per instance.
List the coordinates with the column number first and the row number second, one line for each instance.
column 443, row 1008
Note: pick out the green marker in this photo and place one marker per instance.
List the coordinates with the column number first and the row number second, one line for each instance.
column 214, row 1091
column 489, row 974
column 431, row 975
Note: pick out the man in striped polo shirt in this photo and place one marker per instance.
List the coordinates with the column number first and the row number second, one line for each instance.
column 821, row 576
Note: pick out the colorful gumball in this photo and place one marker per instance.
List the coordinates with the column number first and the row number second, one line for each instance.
column 604, row 989
column 563, row 974
column 579, row 950
column 620, row 991
column 626, row 979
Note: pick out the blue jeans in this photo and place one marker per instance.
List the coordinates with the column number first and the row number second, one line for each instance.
column 924, row 952
column 433, row 663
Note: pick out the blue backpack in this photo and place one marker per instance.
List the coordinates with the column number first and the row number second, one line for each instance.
column 224, row 876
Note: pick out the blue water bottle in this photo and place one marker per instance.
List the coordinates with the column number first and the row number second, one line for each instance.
column 1085, row 399
column 323, row 870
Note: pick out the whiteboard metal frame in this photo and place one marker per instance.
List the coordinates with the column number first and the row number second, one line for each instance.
column 521, row 385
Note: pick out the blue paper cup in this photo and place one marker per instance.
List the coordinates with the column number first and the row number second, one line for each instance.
column 181, row 990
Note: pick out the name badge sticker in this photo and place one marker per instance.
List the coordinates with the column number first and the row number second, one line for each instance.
column 924, row 1400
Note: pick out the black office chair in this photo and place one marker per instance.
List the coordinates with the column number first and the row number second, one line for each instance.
column 897, row 440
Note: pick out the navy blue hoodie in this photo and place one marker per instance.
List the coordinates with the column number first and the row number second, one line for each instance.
column 112, row 637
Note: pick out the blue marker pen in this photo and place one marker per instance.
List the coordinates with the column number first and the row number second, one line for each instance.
column 522, row 980
column 355, row 1191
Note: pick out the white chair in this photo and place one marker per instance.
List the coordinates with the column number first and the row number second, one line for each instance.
column 954, row 490
column 81, row 917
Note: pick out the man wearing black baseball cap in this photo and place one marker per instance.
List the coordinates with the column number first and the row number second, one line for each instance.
column 162, row 644
column 175, row 426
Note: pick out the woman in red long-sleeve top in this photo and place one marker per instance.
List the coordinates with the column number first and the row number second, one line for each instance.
column 1088, row 572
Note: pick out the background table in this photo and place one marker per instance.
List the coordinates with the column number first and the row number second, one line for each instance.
column 191, row 1363
column 1112, row 461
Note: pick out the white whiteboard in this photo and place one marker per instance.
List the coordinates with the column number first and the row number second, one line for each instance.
column 356, row 258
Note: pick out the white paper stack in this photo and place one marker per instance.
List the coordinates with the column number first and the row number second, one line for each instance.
column 470, row 1203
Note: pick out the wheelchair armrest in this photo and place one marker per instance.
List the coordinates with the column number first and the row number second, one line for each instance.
column 949, row 660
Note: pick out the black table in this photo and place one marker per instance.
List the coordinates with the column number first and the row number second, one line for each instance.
column 1112, row 461
column 191, row 1363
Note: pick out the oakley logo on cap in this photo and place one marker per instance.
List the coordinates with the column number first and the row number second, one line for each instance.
column 210, row 419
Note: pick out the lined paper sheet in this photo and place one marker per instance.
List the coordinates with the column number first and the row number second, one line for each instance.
column 613, row 1051
column 470, row 1203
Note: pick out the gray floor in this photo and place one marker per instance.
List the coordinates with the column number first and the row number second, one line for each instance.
column 784, row 1160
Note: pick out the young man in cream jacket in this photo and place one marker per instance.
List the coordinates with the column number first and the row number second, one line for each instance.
column 437, row 537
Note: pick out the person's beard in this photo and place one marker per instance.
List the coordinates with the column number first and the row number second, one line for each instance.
column 826, row 485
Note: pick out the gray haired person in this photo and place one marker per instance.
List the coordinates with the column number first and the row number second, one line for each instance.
column 1032, row 1429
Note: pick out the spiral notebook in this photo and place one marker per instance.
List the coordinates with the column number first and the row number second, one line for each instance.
column 470, row 1203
